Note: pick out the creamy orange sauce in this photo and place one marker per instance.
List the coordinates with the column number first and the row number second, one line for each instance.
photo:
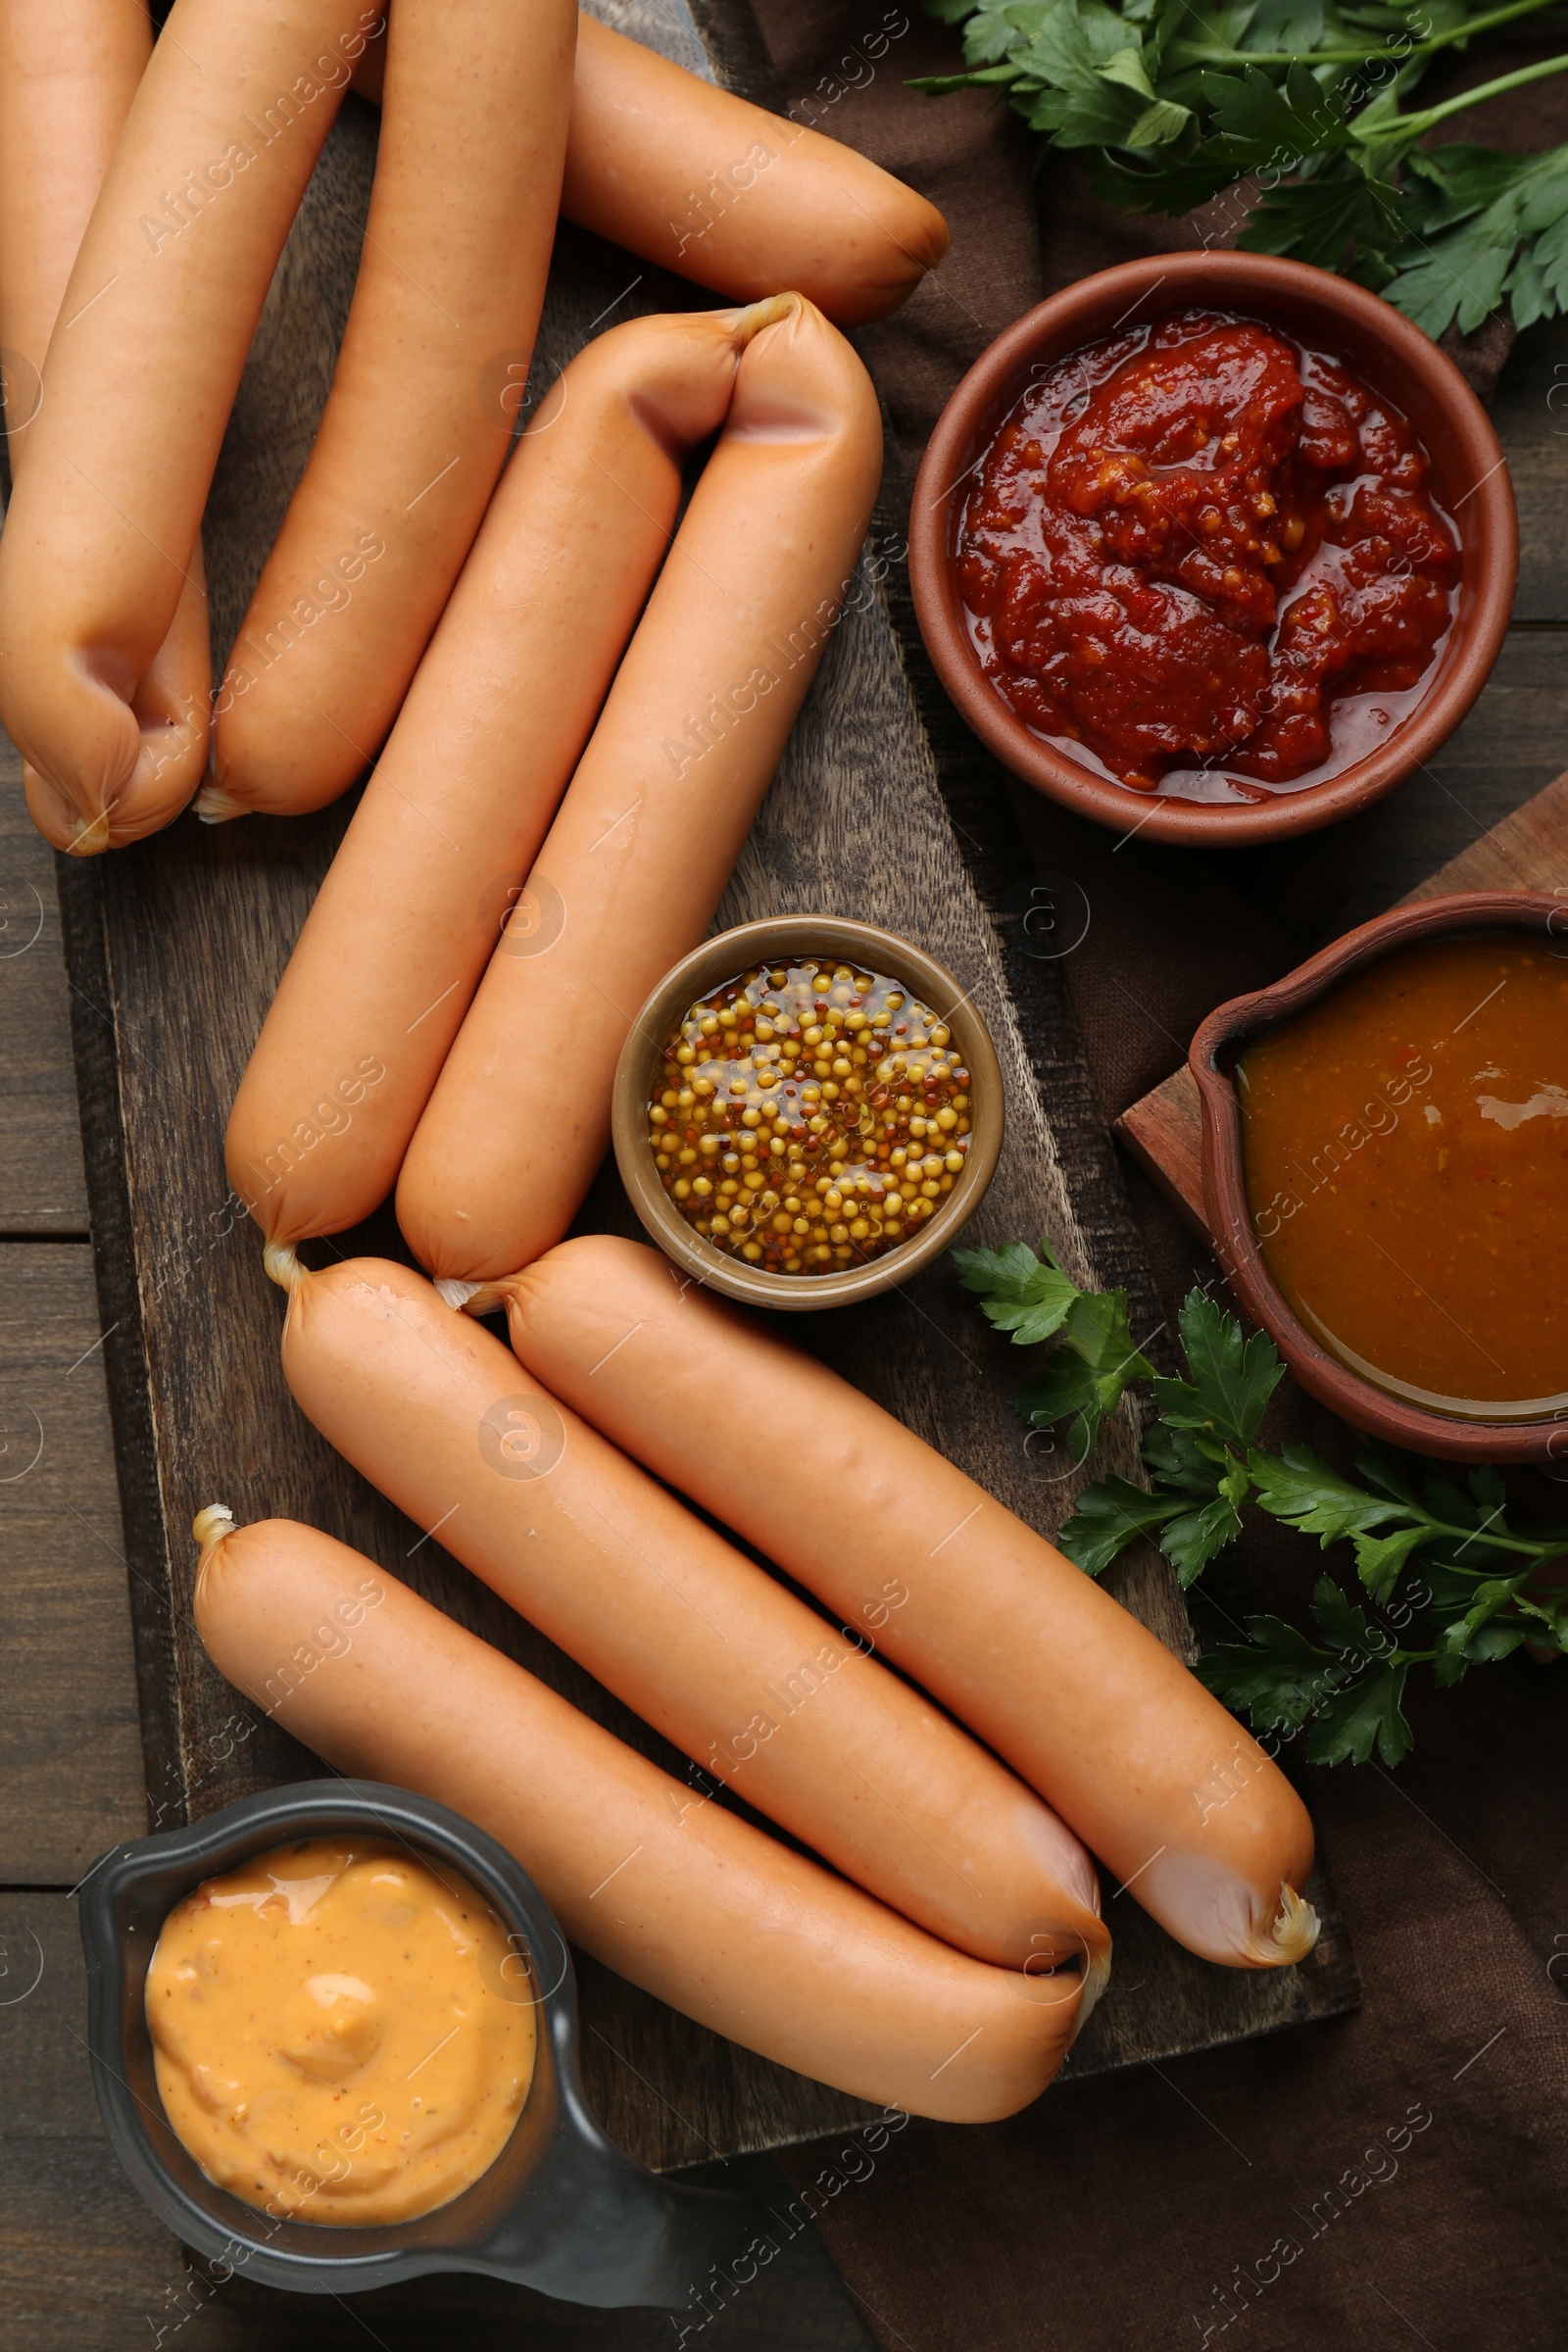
column 342, row 2033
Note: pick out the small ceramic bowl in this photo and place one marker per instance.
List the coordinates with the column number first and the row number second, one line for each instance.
column 561, row 2208
column 725, row 959
column 1212, row 1061
column 1389, row 353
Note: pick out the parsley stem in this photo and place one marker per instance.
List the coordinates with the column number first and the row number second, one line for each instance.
column 1223, row 52
column 1540, row 1554
column 1416, row 126
column 1481, row 23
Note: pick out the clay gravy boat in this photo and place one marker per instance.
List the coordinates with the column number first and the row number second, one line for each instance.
column 1212, row 1063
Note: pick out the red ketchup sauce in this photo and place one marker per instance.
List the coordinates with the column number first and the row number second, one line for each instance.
column 1207, row 560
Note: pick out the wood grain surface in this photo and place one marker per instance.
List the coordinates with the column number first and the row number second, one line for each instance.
column 1526, row 849
column 70, row 1749
column 180, row 941
column 43, row 1189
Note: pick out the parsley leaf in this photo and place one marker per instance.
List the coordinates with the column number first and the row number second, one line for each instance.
column 1321, row 220
column 1170, row 101
column 1350, row 1693
column 1276, row 1677
column 1381, row 1467
column 1097, row 1327
column 1483, row 1587
column 1188, row 1533
column 1066, row 1386
column 1344, row 1626
column 1362, row 1715
column 1228, row 1383
column 1111, row 1514
column 1506, row 224
column 1020, row 1292
column 1276, row 124
column 1031, row 1297
column 1296, row 1485
column 1179, row 1457
column 1380, row 1558
column 1191, row 1542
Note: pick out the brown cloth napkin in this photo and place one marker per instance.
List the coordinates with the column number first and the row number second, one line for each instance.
column 1393, row 2178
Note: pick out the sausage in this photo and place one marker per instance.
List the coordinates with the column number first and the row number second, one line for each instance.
column 736, row 198
column 451, row 280
column 749, row 1681
column 1154, row 1774
column 679, row 171
column 172, row 273
column 156, row 321
column 722, row 192
column 653, row 819
column 452, row 816
column 69, row 71
column 685, row 1899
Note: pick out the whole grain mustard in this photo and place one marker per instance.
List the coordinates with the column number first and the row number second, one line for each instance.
column 808, row 1117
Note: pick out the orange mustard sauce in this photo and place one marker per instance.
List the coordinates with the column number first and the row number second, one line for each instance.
column 342, row 2033
column 1406, row 1148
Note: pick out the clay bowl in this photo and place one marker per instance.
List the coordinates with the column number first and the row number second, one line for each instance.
column 1212, row 1063
column 724, row 958
column 1383, row 348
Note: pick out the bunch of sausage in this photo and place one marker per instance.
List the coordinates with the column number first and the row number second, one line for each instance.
column 575, row 695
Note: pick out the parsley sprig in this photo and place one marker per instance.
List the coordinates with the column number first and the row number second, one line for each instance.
column 1171, row 101
column 1082, row 1380
column 1424, row 1547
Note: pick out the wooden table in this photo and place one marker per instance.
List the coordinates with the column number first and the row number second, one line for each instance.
column 82, row 2263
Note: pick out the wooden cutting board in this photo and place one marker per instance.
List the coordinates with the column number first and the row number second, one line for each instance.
column 1527, row 851
column 174, row 949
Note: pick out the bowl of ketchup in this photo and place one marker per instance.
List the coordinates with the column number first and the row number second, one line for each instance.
column 1214, row 547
